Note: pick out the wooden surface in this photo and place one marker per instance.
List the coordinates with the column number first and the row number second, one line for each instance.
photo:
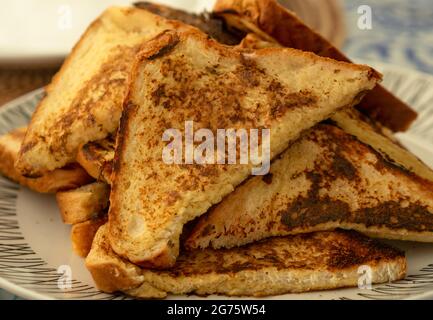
column 14, row 83
column 325, row 16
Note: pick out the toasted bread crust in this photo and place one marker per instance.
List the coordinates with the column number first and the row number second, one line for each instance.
column 110, row 272
column 172, row 66
column 70, row 177
column 340, row 183
column 276, row 266
column 84, row 203
column 82, row 234
column 97, row 157
column 284, row 26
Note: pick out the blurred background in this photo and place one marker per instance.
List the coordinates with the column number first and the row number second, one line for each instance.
column 36, row 35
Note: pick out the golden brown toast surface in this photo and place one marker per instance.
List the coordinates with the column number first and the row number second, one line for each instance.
column 186, row 76
column 275, row 266
column 327, row 179
column 84, row 100
column 70, row 177
column 284, row 26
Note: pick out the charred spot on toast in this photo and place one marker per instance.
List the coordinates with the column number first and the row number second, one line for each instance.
column 129, row 109
column 267, row 178
column 210, row 24
column 357, row 250
column 394, row 215
column 342, row 166
column 282, row 102
column 164, row 50
column 333, row 251
column 308, row 212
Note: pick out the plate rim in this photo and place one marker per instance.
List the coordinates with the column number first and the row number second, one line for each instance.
column 22, row 292
column 11, row 104
column 33, row 294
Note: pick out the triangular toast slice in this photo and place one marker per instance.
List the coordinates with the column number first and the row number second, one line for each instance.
column 69, row 177
column 275, row 266
column 84, row 100
column 185, row 76
column 354, row 179
column 272, row 21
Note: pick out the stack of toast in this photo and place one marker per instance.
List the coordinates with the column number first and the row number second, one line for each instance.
column 149, row 228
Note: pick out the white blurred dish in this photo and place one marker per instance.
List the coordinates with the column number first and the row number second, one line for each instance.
column 41, row 33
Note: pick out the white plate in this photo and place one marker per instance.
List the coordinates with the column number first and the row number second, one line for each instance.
column 34, row 243
column 41, row 33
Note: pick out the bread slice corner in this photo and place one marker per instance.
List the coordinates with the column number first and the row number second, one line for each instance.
column 302, row 263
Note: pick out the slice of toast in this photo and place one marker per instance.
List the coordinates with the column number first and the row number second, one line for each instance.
column 184, row 76
column 83, row 203
column 70, row 177
column 84, row 100
column 275, row 266
column 328, row 179
column 97, row 158
column 273, row 21
column 83, row 233
column 381, row 140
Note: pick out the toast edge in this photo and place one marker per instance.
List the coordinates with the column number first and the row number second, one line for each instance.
column 112, row 274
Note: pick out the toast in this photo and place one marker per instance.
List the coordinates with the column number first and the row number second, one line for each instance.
column 84, row 100
column 382, row 141
column 174, row 81
column 328, row 179
column 84, row 203
column 273, row 21
column 212, row 25
column 275, row 266
column 83, row 233
column 97, row 158
column 70, row 177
